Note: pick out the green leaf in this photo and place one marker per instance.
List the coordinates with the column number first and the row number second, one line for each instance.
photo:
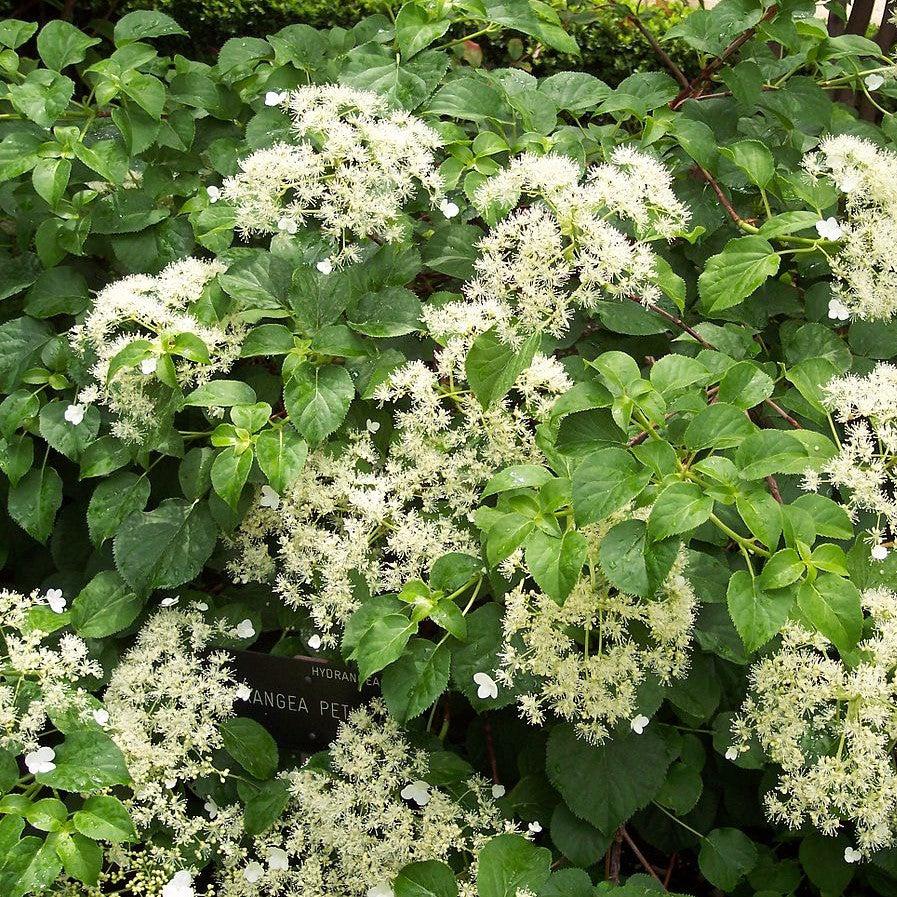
column 674, row 372
column 413, row 682
column 556, row 562
column 68, row 439
column 833, row 606
column 632, row 563
column 416, row 29
column 718, row 426
column 606, row 784
column 393, row 311
column 744, row 385
column 317, row 399
column 61, row 44
column 88, row 760
column 105, row 818
column 221, row 394
column 106, row 605
column 757, row 614
column 81, row 858
column 731, row 276
column 771, row 451
column 382, row 643
column 452, row 250
column 141, row 24
column 20, row 341
column 578, row 841
column 508, row 863
column 726, row 856
column 604, row 482
column 43, row 96
column 34, row 501
column 265, row 806
column 493, row 366
column 429, row 878
column 281, row 455
column 782, row 569
column 165, row 547
column 517, row 476
column 763, row 515
column 112, row 501
column 753, row 158
column 250, row 745
column 267, row 339
column 30, row 867
column 230, row 470
column 679, row 508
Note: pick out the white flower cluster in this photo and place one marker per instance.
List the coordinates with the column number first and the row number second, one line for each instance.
column 348, row 829
column 354, row 164
column 167, row 699
column 387, row 517
column 38, row 676
column 557, row 250
column 831, row 726
column 864, row 470
column 865, row 264
column 156, row 310
column 593, row 681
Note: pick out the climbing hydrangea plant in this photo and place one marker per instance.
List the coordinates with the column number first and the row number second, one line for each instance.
column 564, row 415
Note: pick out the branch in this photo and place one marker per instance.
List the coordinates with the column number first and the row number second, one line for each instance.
column 716, row 64
column 640, row 856
column 661, row 53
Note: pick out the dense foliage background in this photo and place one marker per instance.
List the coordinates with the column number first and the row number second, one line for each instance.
column 581, row 466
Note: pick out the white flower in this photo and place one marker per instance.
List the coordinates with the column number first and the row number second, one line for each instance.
column 837, row 310
column 535, row 827
column 874, row 81
column 850, row 181
column 244, row 629
column 449, row 208
column 325, row 266
column 269, row 498
column 101, row 716
column 149, row 365
column 253, row 872
column 170, row 783
column 202, row 606
column 372, row 426
column 829, row 229
column 181, row 885
column 40, row 760
column 486, row 686
column 287, row 224
column 732, row 753
column 638, row 723
column 278, row 860
column 211, row 808
column 214, row 193
column 879, row 552
column 74, row 414
column 418, row 791
column 852, row 855
column 314, row 642
column 55, row 600
column 244, row 693
column 498, row 791
column 381, row 890
column 171, row 601
column 273, row 98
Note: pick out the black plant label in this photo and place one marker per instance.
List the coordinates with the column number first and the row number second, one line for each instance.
column 300, row 700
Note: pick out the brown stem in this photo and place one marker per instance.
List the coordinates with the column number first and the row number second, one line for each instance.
column 612, row 858
column 773, row 485
column 640, row 856
column 716, row 64
column 723, row 199
column 661, row 53
column 669, row 872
